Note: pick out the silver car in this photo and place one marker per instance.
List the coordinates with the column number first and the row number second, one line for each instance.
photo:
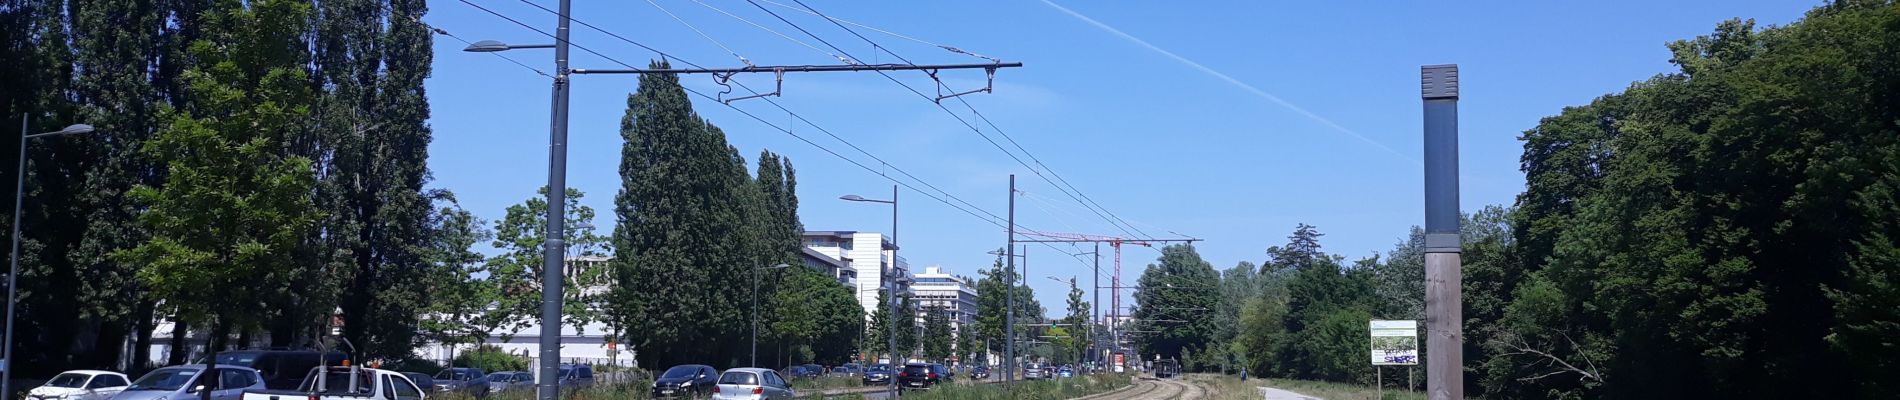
column 510, row 380
column 752, row 384
column 185, row 382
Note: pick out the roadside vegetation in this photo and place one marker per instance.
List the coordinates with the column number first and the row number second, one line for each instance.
column 1229, row 387
column 1030, row 390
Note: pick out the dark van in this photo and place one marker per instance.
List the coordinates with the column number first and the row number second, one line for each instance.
column 281, row 369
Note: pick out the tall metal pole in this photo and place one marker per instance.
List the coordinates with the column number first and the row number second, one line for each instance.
column 1444, row 378
column 890, row 297
column 1096, row 307
column 553, row 266
column 19, row 194
column 1009, row 283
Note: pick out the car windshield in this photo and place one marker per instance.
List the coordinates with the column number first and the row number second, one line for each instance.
column 454, row 375
column 880, row 368
column 739, row 378
column 681, row 372
column 164, row 379
column 67, row 381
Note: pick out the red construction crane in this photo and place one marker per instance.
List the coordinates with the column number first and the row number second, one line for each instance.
column 1115, row 285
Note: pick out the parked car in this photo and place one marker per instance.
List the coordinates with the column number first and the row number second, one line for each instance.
column 575, row 376
column 879, row 374
column 509, row 380
column 852, row 369
column 80, row 385
column 691, row 380
column 469, row 381
column 752, row 384
column 805, row 371
column 421, row 380
column 917, row 376
column 1065, row 372
column 281, row 369
column 345, row 383
column 187, row 381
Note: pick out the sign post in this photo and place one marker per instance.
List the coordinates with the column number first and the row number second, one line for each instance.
column 1393, row 343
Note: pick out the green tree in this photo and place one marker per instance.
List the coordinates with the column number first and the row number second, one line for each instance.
column 909, row 328
column 684, row 199
column 937, row 336
column 1681, row 235
column 515, row 274
column 370, row 131
column 234, row 206
column 992, row 305
column 1077, row 323
column 1175, row 299
column 459, row 296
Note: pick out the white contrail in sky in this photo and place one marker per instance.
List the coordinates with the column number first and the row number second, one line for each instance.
column 1217, row 74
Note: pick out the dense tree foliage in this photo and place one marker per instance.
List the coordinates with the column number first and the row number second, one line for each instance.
column 1726, row 230
column 936, row 336
column 1174, row 303
column 695, row 228
column 335, row 87
column 993, row 294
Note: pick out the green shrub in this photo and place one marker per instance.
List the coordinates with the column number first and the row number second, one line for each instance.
column 490, row 358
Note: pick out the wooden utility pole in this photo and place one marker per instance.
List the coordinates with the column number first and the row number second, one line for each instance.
column 1444, row 340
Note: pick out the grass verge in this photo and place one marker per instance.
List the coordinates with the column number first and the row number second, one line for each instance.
column 1227, row 387
column 1031, row 390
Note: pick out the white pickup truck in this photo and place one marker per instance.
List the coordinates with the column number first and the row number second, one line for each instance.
column 346, row 383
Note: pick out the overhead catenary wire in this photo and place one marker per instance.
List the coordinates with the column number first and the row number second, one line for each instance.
column 949, row 48
column 701, row 33
column 998, row 130
column 1125, row 228
column 782, row 35
column 997, row 221
column 781, row 107
column 444, row 32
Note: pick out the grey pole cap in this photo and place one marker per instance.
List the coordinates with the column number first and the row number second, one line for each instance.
column 1439, row 81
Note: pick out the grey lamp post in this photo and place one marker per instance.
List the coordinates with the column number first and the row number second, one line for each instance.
column 547, row 388
column 19, row 194
column 889, row 295
column 755, row 311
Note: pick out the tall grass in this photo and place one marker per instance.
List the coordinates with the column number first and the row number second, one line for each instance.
column 1029, row 390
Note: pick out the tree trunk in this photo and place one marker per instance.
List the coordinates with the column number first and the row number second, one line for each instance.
column 180, row 343
column 109, row 344
column 142, row 337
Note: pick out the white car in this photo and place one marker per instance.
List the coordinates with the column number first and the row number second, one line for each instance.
column 80, row 385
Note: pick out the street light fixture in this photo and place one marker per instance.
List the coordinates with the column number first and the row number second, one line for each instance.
column 490, row 46
column 755, row 311
column 19, row 194
column 889, row 295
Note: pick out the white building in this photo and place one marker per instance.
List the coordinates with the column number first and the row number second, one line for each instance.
column 836, row 268
column 934, row 287
column 872, row 258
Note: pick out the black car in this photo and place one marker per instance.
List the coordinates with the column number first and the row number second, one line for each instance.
column 922, row 376
column 281, row 369
column 879, row 374
column 421, row 379
column 980, row 373
column 691, row 380
column 577, row 376
column 469, row 381
column 804, row 371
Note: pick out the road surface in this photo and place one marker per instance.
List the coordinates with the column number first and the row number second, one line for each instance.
column 1278, row 394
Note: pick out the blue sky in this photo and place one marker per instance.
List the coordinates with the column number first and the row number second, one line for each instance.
column 1204, row 151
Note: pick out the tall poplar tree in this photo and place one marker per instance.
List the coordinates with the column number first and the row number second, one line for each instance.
column 683, row 199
